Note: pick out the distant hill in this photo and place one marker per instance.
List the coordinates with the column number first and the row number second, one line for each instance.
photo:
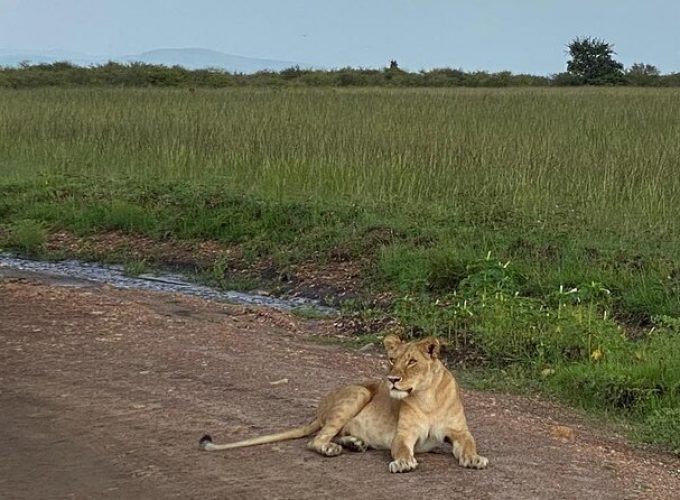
column 188, row 58
column 205, row 58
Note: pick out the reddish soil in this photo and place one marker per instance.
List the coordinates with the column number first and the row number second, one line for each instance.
column 105, row 393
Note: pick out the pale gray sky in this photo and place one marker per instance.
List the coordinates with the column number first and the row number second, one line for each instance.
column 518, row 35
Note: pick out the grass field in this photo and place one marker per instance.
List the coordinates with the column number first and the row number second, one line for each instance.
column 538, row 228
column 610, row 154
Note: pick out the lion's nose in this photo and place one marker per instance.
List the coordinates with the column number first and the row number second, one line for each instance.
column 393, row 379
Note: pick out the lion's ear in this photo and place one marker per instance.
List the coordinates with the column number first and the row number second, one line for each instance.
column 431, row 347
column 391, row 342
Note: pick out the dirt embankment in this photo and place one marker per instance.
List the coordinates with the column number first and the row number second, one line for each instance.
column 104, row 394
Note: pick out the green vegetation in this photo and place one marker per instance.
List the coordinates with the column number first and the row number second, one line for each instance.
column 536, row 230
column 27, row 235
column 64, row 74
column 600, row 159
column 593, row 63
column 135, row 267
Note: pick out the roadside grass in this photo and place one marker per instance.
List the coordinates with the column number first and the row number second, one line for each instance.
column 308, row 313
column 135, row 267
column 27, row 235
column 536, row 231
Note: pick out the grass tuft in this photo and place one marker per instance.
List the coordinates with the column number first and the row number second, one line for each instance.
column 27, row 235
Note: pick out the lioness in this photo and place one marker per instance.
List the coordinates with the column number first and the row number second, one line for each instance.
column 415, row 409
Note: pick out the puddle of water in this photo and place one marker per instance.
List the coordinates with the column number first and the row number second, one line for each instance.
column 114, row 275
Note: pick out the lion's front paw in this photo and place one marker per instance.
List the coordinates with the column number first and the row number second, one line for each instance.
column 330, row 449
column 473, row 461
column 403, row 465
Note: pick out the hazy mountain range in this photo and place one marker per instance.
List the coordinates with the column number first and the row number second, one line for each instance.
column 188, row 58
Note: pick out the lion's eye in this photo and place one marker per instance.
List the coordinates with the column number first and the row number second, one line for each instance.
column 391, row 360
column 412, row 362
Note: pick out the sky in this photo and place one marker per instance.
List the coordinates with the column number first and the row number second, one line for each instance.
column 522, row 36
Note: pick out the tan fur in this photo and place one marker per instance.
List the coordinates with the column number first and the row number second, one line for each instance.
column 415, row 409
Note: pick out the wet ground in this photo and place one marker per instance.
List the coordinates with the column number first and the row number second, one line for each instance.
column 104, row 393
column 77, row 272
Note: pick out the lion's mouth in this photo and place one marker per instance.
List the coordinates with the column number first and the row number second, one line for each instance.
column 397, row 393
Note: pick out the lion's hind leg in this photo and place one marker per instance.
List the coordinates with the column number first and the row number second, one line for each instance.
column 334, row 413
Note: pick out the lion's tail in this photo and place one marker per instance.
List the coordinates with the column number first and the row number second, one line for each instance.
column 206, row 442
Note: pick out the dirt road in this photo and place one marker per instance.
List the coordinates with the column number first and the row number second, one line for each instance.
column 104, row 394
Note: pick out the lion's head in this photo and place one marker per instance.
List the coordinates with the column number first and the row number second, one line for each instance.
column 412, row 364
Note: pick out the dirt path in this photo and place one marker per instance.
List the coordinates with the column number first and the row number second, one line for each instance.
column 104, row 394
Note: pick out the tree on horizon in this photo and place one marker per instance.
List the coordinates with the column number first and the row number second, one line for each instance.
column 592, row 61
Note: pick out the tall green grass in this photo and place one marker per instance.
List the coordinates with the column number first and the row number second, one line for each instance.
column 610, row 156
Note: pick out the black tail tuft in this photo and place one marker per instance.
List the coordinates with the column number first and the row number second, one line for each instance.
column 205, row 440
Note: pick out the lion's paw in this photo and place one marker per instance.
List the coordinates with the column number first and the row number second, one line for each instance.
column 403, row 465
column 473, row 461
column 330, row 449
column 352, row 443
